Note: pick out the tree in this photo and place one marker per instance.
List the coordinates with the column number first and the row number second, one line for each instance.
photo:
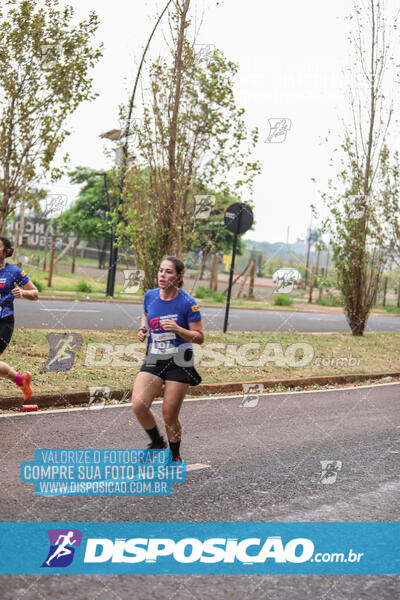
column 390, row 176
column 356, row 199
column 45, row 64
column 190, row 132
column 88, row 218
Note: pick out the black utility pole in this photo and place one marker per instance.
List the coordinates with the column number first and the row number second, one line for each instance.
column 238, row 219
column 228, row 299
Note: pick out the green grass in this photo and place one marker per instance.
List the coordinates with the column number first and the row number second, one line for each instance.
column 393, row 309
column 205, row 293
column 117, row 367
column 82, row 286
column 283, row 300
column 330, row 300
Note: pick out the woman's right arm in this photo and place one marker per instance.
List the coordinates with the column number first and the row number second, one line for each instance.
column 143, row 328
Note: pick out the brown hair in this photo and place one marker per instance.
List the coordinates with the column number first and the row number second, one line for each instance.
column 7, row 245
column 178, row 264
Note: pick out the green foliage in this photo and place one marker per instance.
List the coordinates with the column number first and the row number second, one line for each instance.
column 330, row 300
column 38, row 284
column 190, row 132
column 46, row 56
column 82, row 286
column 88, row 218
column 359, row 223
column 283, row 300
column 393, row 309
column 205, row 293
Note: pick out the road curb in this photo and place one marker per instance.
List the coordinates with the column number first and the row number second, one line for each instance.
column 82, row 397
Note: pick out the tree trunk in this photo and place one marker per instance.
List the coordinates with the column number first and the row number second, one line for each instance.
column 106, row 242
column 74, row 255
column 238, row 277
column 398, row 294
column 20, row 236
column 203, row 265
column 321, row 287
column 52, row 247
column 64, row 252
column 385, row 291
column 214, row 272
column 311, row 284
column 45, row 248
column 250, row 295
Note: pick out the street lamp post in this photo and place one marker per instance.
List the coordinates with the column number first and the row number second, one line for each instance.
column 112, row 261
column 116, row 135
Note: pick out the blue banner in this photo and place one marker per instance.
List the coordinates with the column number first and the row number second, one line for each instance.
column 200, row 548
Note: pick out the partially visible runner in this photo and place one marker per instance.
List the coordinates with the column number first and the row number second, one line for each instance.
column 175, row 324
column 12, row 278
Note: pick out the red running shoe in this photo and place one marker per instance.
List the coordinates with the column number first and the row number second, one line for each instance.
column 25, row 386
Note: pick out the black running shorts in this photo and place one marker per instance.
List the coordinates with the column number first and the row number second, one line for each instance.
column 6, row 331
column 169, row 369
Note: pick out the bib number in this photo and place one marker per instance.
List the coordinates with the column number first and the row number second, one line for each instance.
column 162, row 343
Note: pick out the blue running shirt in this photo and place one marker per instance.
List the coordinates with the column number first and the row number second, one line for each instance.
column 8, row 275
column 183, row 309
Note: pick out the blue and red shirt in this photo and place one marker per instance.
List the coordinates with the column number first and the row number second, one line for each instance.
column 9, row 275
column 183, row 309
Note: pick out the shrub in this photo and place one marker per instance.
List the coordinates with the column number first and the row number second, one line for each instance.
column 82, row 286
column 330, row 300
column 283, row 300
column 392, row 309
column 203, row 292
column 38, row 285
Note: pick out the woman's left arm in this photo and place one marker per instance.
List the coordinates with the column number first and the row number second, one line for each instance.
column 195, row 333
column 29, row 291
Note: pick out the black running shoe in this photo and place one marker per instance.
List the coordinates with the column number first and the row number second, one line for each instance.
column 160, row 445
column 177, row 459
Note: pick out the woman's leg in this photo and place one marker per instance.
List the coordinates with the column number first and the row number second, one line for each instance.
column 174, row 395
column 7, row 372
column 22, row 381
column 145, row 389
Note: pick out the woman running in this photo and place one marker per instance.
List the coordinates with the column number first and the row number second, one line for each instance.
column 174, row 320
column 12, row 279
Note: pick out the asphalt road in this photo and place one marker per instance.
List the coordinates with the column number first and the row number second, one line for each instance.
column 68, row 315
column 264, row 466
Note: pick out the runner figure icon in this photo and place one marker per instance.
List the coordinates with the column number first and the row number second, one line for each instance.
column 62, row 550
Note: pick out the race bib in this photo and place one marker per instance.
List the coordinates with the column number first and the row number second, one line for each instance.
column 162, row 343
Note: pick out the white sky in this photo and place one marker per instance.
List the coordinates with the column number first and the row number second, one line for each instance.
column 290, row 57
